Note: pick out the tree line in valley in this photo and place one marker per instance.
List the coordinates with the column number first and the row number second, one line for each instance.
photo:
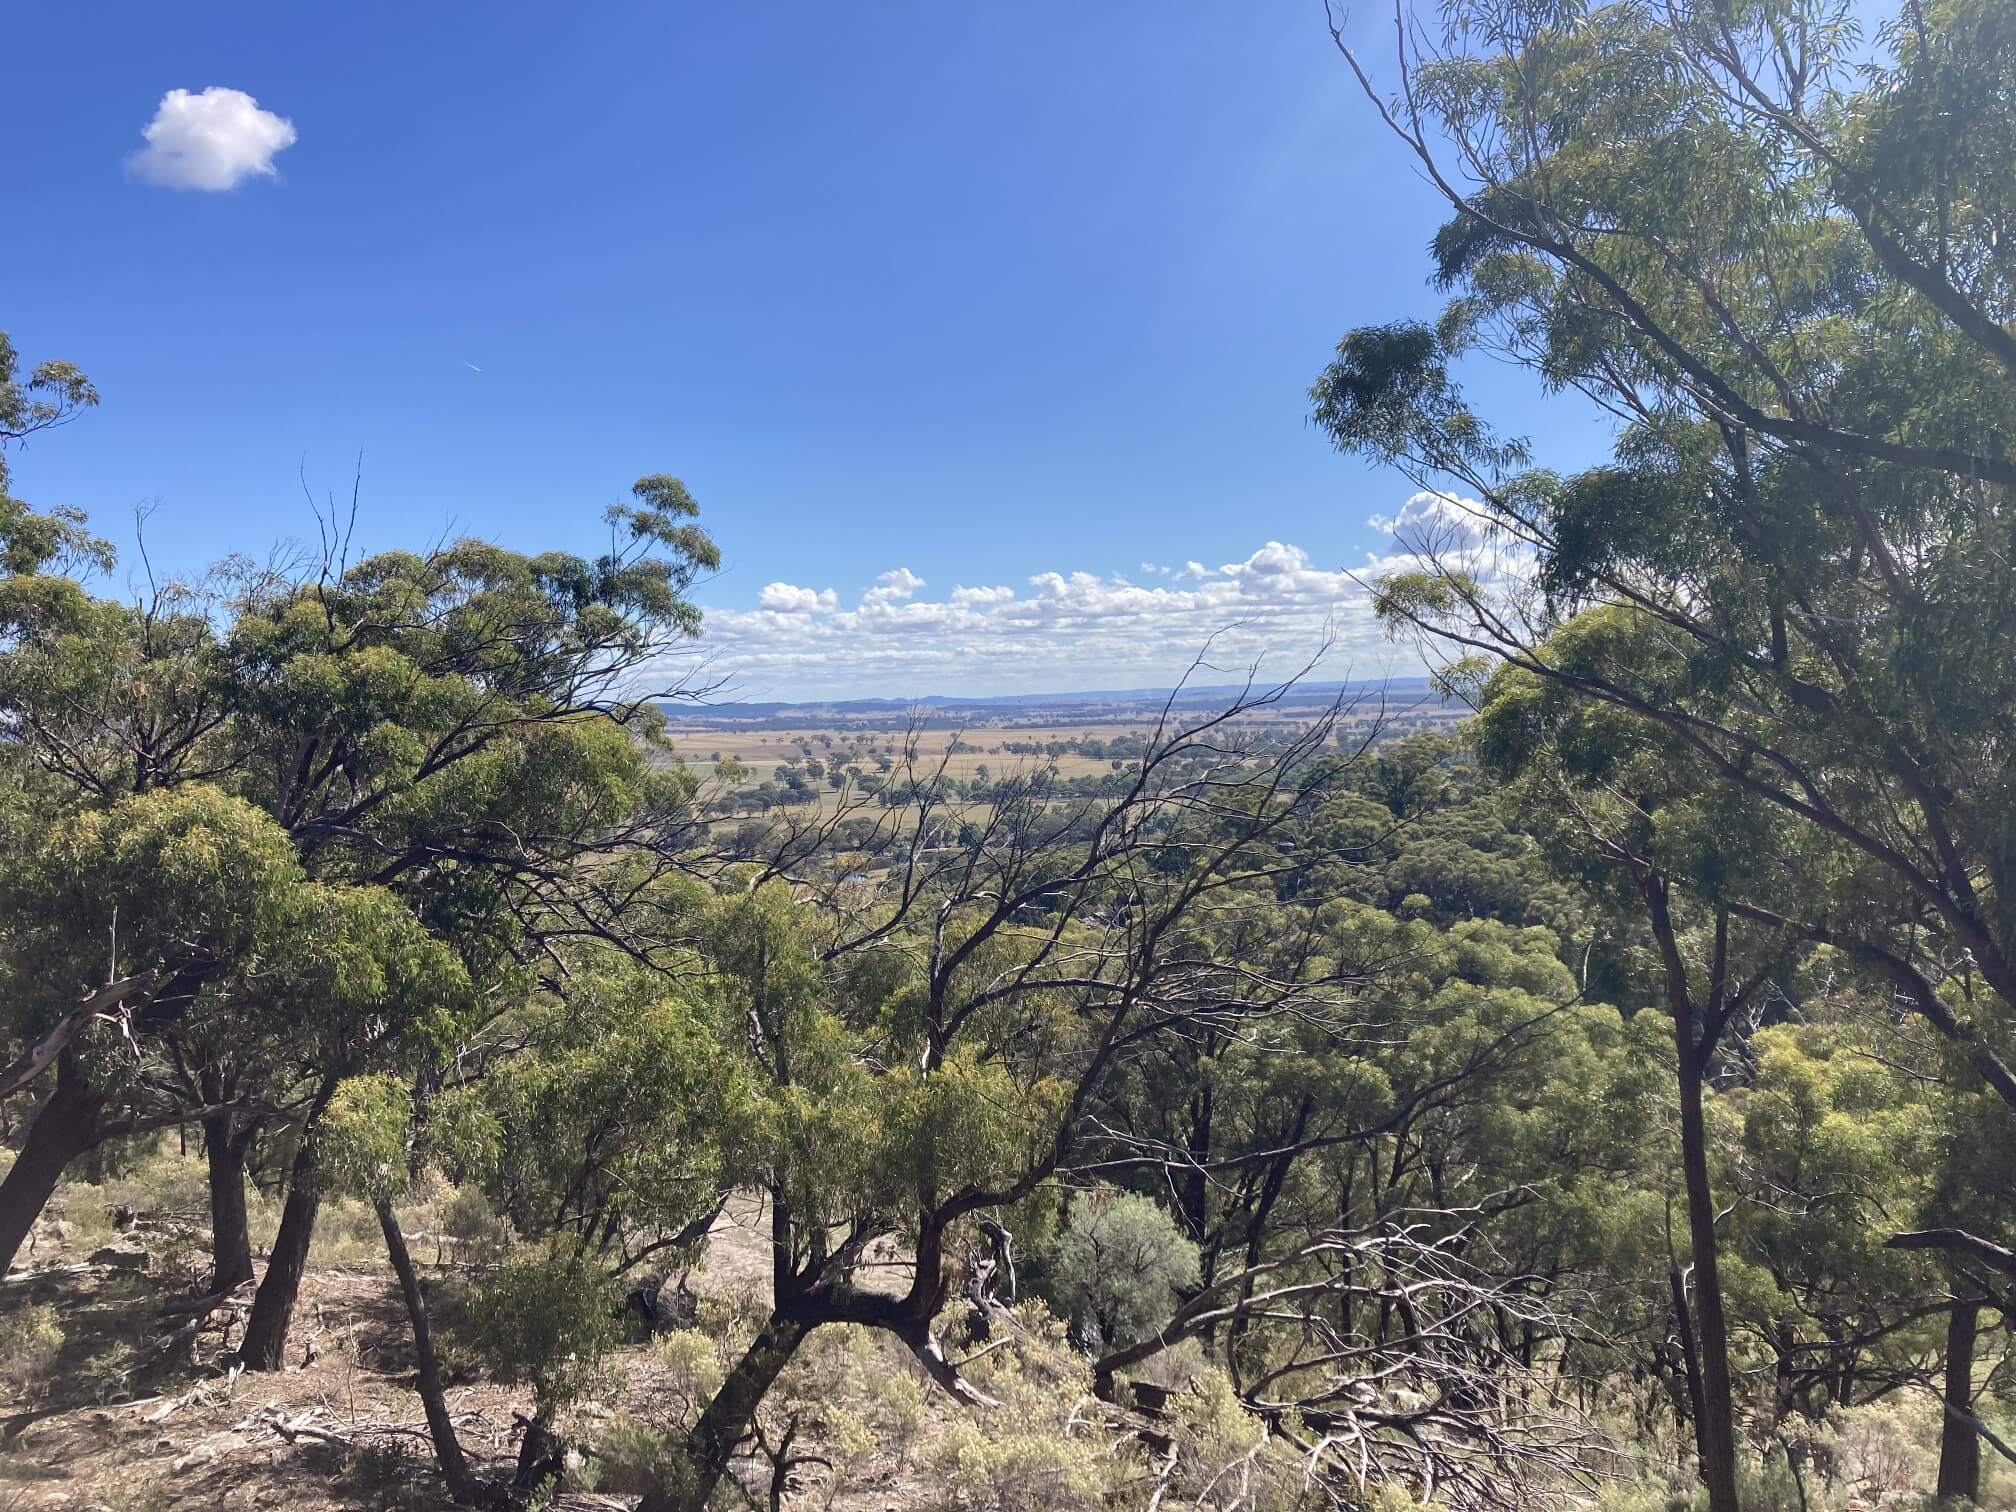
column 1609, row 1099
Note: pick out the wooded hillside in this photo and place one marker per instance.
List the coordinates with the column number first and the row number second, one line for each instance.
column 430, row 1081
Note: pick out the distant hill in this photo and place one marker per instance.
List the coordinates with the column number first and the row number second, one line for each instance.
column 1075, row 707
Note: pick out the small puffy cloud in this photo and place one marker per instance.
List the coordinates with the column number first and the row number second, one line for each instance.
column 1446, row 532
column 893, row 586
column 1271, row 561
column 214, row 140
column 789, row 598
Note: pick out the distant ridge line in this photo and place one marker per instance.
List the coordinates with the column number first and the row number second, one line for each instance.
column 1410, row 688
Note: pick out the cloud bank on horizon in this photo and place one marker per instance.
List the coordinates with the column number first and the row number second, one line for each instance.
column 213, row 140
column 1064, row 630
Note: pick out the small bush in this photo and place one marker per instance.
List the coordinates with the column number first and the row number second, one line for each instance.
column 897, row 1409
column 1119, row 1265
column 479, row 1235
column 30, row 1341
column 1035, row 1450
column 1016, row 1470
column 1889, row 1448
column 107, row 1376
column 1228, row 1458
column 157, row 1179
column 180, row 1253
column 346, row 1233
column 689, row 1370
column 546, row 1319
column 629, row 1457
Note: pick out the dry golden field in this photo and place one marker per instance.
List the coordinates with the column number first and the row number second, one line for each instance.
column 763, row 751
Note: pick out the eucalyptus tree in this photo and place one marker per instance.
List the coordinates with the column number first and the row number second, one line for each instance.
column 168, row 898
column 469, row 731
column 1391, row 1216
column 1779, row 260
column 890, row 1045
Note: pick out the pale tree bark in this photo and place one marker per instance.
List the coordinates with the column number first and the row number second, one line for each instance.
column 45, row 1051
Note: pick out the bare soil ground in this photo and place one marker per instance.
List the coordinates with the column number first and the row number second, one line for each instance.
column 122, row 1424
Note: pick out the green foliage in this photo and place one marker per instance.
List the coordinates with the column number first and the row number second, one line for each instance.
column 546, row 1318
column 52, row 393
column 31, row 1338
column 1022, row 1455
column 633, row 1115
column 180, row 876
column 1121, row 1263
column 364, row 1137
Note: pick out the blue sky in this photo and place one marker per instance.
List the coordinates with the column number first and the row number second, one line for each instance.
column 1022, row 299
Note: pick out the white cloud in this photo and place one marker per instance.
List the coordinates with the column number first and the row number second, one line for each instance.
column 1063, row 629
column 893, row 586
column 1068, row 628
column 982, row 595
column 1437, row 524
column 214, row 140
column 789, row 598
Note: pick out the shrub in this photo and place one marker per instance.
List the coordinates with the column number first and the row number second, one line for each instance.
column 1227, row 1457
column 346, row 1233
column 478, row 1233
column 1889, row 1448
column 629, row 1457
column 1016, row 1470
column 30, row 1341
column 896, row 1408
column 107, row 1376
column 1119, row 1265
column 1035, row 1449
column 547, row 1319
column 689, row 1368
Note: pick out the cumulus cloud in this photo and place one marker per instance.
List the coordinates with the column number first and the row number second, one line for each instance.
column 789, row 598
column 1060, row 629
column 893, row 586
column 1437, row 524
column 213, row 140
column 1000, row 595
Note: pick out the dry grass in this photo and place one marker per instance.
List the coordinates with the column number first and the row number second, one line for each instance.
column 763, row 751
column 116, row 1423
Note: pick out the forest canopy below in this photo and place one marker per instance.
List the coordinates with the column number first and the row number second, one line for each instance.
column 1610, row 1102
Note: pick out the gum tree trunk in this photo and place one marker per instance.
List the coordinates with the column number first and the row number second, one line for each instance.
column 265, row 1344
column 65, row 1127
column 224, row 1148
column 1715, row 1424
column 725, row 1423
column 433, row 1398
column 1959, row 1444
